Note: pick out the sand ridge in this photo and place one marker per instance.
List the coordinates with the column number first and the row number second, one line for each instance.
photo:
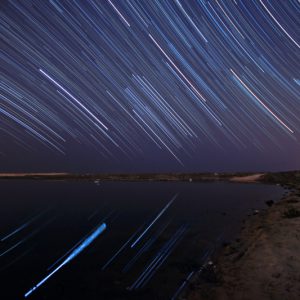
column 249, row 178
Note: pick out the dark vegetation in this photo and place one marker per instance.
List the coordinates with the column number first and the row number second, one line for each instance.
column 291, row 212
column 289, row 179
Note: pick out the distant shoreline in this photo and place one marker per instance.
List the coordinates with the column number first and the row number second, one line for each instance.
column 190, row 177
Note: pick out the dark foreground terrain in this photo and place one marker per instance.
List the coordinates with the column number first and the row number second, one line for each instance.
column 264, row 262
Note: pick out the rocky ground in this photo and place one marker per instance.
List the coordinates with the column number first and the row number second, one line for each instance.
column 264, row 262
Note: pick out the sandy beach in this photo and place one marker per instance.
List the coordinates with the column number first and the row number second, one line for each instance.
column 247, row 179
column 264, row 261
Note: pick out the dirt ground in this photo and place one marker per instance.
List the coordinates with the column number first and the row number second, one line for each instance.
column 263, row 263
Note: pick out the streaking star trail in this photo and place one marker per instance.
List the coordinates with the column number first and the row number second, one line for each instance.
column 161, row 84
column 70, row 257
column 153, row 222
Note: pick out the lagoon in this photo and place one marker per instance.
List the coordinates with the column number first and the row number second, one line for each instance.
column 156, row 234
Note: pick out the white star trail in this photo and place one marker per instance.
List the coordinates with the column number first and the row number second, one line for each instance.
column 77, row 101
column 279, row 24
column 248, row 89
column 149, row 82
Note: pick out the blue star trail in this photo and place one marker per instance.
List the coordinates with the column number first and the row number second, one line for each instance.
column 70, row 257
column 168, row 83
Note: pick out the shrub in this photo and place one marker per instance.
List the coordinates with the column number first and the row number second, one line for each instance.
column 291, row 213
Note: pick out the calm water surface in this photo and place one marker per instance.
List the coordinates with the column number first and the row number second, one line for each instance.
column 115, row 240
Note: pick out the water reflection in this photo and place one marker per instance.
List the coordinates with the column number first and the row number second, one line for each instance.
column 115, row 240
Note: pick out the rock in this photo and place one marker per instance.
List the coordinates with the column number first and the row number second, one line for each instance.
column 269, row 202
column 276, row 275
column 209, row 272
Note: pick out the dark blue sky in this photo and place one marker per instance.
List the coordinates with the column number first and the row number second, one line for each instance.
column 117, row 86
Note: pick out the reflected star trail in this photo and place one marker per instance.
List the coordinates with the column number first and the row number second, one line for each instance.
column 175, row 83
column 73, row 254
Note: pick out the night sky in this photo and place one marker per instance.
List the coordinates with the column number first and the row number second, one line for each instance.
column 150, row 86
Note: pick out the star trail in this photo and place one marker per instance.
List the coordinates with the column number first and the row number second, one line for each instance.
column 184, row 85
